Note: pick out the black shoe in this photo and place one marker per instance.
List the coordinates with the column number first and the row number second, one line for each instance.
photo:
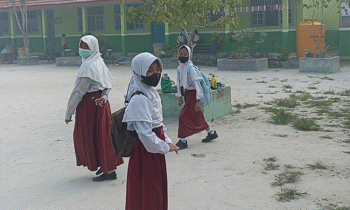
column 106, row 176
column 210, row 137
column 181, row 144
column 98, row 172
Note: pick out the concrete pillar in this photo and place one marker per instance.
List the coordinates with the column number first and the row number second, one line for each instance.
column 227, row 32
column 285, row 21
column 84, row 19
column 13, row 24
column 123, row 28
column 167, row 35
column 44, row 28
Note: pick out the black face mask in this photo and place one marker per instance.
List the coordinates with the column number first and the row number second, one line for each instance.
column 183, row 59
column 152, row 80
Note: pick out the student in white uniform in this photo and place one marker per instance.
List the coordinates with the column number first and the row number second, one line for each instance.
column 89, row 102
column 147, row 176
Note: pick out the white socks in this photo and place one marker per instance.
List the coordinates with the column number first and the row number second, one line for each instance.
column 111, row 171
column 183, row 140
column 211, row 131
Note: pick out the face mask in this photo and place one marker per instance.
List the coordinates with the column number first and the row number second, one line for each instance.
column 152, row 80
column 183, row 59
column 84, row 53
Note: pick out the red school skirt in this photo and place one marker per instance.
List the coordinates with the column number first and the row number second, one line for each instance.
column 92, row 141
column 190, row 120
column 147, row 185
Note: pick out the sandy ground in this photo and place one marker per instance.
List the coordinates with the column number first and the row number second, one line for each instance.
column 38, row 168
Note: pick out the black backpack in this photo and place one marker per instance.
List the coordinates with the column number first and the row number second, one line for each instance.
column 123, row 140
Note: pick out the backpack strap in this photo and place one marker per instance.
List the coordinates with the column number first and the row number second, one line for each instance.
column 135, row 93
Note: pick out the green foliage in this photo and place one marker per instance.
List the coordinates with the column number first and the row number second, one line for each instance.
column 317, row 165
column 305, row 124
column 218, row 42
column 288, row 194
column 281, row 116
column 248, row 38
column 286, row 178
column 50, row 53
column 183, row 13
column 284, row 51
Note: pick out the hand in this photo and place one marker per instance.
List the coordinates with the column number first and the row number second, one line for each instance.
column 68, row 121
column 100, row 102
column 180, row 101
column 198, row 105
column 174, row 148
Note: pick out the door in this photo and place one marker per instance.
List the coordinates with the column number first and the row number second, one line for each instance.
column 50, row 28
column 157, row 32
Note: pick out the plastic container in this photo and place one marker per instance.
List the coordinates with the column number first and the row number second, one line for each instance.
column 213, row 82
column 305, row 37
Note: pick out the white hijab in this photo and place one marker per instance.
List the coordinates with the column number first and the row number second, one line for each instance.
column 183, row 68
column 139, row 66
column 94, row 67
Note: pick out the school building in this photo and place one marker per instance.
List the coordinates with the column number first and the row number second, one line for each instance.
column 49, row 19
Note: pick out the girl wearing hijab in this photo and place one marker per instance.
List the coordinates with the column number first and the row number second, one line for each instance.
column 89, row 101
column 191, row 119
column 147, row 177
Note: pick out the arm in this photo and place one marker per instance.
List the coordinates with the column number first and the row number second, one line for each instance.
column 150, row 141
column 178, row 94
column 104, row 97
column 81, row 87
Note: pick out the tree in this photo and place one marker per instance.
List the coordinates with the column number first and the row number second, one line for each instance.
column 321, row 6
column 184, row 13
column 21, row 5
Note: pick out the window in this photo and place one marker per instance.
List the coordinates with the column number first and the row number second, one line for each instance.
column 266, row 12
column 80, row 19
column 137, row 26
column 95, row 18
column 345, row 15
column 32, row 21
column 216, row 16
column 4, row 23
column 291, row 12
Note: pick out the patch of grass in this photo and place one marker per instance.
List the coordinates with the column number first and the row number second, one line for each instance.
column 326, row 137
column 345, row 93
column 347, row 123
column 287, row 87
column 249, row 79
column 322, row 111
column 270, row 159
column 280, row 135
column 288, row 194
column 305, row 124
column 327, row 78
column 312, row 88
column 271, row 86
column 335, row 115
column 286, row 178
column 263, row 81
column 281, row 116
column 271, row 166
column 332, row 206
column 287, row 102
column 330, row 92
column 304, row 96
column 347, row 141
column 284, row 80
column 288, row 166
column 244, row 106
column 316, row 165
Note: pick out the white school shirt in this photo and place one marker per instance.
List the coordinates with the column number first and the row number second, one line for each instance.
column 193, row 85
column 83, row 86
column 149, row 139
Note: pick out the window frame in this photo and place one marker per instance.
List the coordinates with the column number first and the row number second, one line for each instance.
column 4, row 23
column 31, row 21
column 80, row 19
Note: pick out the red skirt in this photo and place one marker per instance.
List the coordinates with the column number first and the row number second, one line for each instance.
column 190, row 120
column 92, row 141
column 147, row 185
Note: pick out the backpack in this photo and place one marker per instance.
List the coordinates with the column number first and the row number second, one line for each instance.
column 167, row 84
column 123, row 140
column 205, row 83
